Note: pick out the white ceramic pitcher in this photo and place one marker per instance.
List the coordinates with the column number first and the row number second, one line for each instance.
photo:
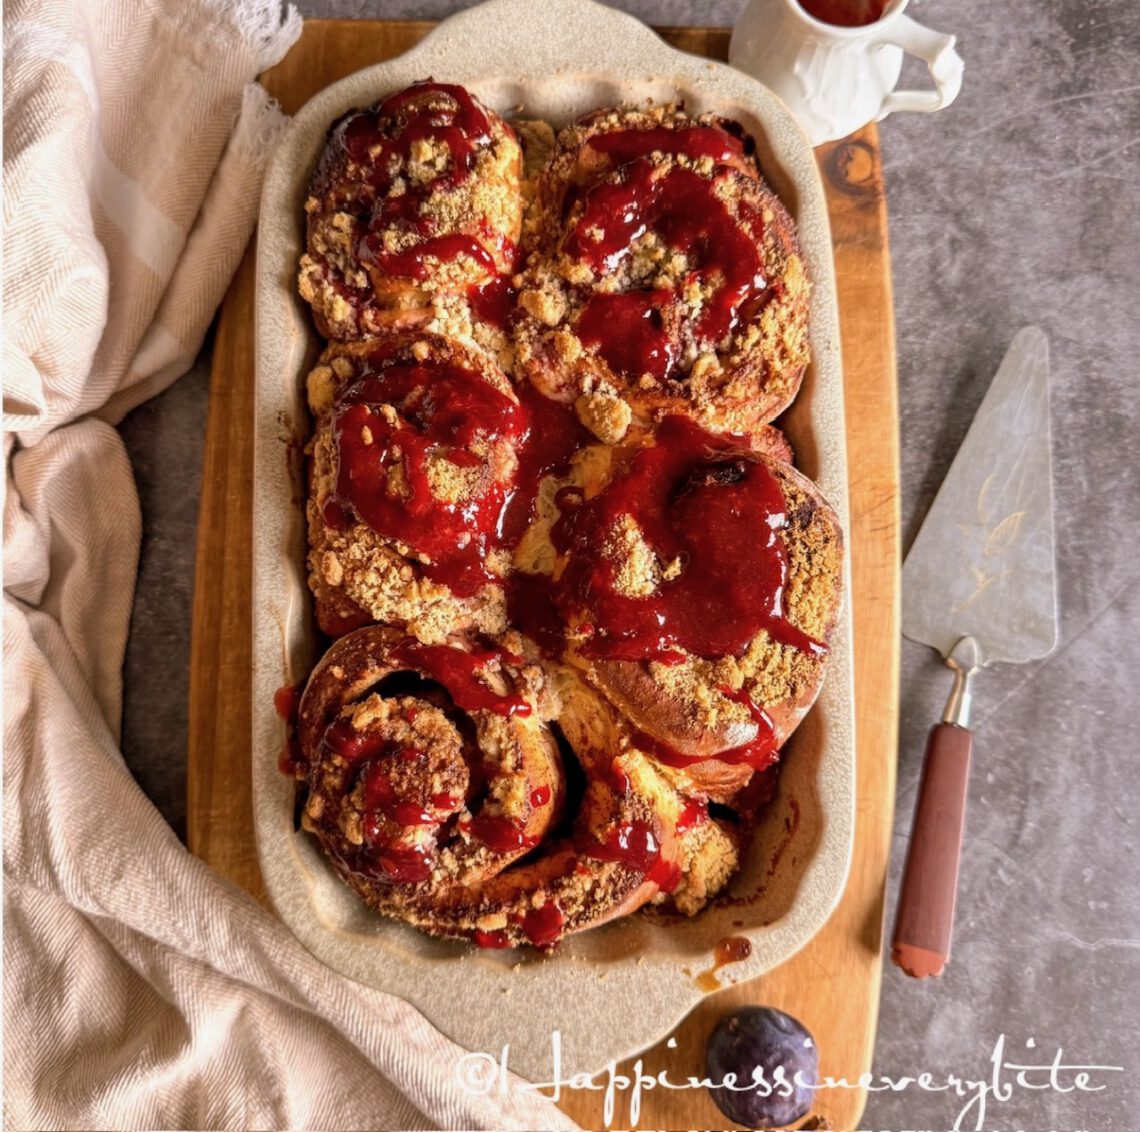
column 836, row 78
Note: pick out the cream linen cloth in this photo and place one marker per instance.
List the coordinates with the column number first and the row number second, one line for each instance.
column 140, row 990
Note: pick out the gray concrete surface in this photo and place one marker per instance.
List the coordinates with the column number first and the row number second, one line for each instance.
column 1020, row 204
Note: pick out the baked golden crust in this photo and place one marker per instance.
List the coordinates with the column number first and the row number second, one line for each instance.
column 574, row 162
column 693, row 259
column 701, row 707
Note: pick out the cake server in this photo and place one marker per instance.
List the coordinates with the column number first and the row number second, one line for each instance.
column 978, row 585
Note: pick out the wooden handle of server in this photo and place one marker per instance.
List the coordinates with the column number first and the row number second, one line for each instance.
column 925, row 918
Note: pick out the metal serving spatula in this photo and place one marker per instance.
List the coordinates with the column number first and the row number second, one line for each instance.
column 978, row 586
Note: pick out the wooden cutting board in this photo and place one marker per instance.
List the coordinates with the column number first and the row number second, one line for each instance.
column 833, row 984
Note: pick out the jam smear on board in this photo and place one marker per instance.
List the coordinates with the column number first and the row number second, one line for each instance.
column 709, row 509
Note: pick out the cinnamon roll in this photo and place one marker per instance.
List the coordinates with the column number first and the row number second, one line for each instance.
column 412, row 458
column 673, row 281
column 414, row 216
column 434, row 788
column 696, row 582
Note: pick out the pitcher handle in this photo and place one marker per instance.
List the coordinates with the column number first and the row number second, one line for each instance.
column 937, row 50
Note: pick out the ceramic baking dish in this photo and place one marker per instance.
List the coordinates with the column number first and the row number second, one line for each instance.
column 619, row 988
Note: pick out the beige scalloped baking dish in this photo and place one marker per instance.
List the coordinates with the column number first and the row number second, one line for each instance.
column 619, row 988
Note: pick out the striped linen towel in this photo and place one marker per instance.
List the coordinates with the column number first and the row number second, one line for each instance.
column 141, row 990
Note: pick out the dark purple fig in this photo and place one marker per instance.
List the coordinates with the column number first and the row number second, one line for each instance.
column 764, row 1049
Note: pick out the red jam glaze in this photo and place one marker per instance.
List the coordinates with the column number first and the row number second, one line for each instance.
column 694, row 812
column 629, row 330
column 495, row 941
column 543, row 926
column 553, row 434
column 500, row 834
column 683, row 209
column 443, row 409
column 494, row 302
column 396, row 124
column 456, row 670
column 398, row 864
column 383, row 139
column 286, row 700
column 762, row 751
column 382, row 797
column 411, row 261
column 624, row 146
column 531, row 610
column 352, row 745
column 699, row 499
column 635, row 845
column 540, row 796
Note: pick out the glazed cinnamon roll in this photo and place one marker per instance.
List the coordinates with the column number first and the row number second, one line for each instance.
column 414, row 216
column 674, row 282
column 696, row 582
column 412, row 459
column 434, row 788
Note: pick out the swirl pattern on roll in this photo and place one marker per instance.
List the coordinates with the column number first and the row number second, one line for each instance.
column 431, row 776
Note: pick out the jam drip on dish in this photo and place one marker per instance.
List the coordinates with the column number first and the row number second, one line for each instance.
column 644, row 331
column 442, row 412
column 710, row 512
